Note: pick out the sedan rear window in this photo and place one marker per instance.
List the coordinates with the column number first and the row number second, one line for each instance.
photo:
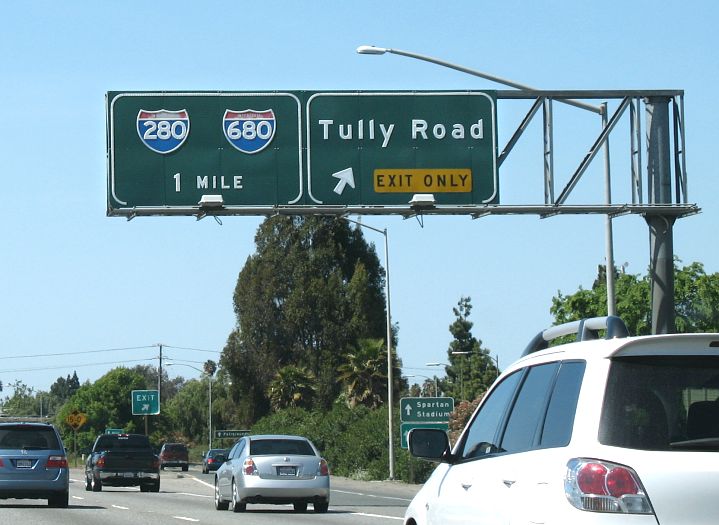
column 28, row 438
column 662, row 403
column 273, row 447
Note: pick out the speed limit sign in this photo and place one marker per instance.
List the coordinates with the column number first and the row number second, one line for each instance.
column 76, row 419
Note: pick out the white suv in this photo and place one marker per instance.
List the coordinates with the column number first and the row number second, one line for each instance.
column 601, row 431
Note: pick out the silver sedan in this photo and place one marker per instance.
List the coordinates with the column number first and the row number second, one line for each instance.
column 275, row 469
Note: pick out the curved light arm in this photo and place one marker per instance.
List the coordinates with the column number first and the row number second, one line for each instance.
column 374, row 50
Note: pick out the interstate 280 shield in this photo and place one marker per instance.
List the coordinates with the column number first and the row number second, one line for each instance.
column 249, row 131
column 161, row 130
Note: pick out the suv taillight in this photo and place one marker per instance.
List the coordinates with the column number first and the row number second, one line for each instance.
column 57, row 462
column 249, row 468
column 602, row 486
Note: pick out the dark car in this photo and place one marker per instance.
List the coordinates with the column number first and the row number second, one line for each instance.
column 174, row 455
column 212, row 459
column 122, row 460
column 33, row 464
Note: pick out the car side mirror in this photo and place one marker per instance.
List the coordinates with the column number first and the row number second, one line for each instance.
column 428, row 443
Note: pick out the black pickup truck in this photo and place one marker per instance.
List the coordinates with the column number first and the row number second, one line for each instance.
column 122, row 460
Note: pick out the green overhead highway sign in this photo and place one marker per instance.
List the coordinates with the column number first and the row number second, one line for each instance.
column 366, row 148
column 406, row 427
column 182, row 153
column 145, row 402
column 425, row 409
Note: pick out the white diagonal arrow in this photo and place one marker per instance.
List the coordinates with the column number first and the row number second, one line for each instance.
column 146, row 407
column 345, row 177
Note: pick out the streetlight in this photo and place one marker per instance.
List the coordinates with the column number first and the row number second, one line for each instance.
column 390, row 446
column 437, row 364
column 209, row 395
column 600, row 110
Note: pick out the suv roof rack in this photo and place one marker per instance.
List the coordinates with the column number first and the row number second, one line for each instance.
column 585, row 329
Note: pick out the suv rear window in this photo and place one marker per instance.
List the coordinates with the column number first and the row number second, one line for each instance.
column 662, row 403
column 175, row 448
column 28, row 438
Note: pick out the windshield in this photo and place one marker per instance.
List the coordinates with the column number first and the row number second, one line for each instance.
column 662, row 403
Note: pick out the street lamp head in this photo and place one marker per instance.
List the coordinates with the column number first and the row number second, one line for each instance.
column 371, row 50
column 433, row 364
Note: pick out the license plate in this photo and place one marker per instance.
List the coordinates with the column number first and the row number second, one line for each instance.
column 23, row 463
column 286, row 471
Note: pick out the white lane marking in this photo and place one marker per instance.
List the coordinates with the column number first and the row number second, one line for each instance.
column 77, row 497
column 194, row 495
column 121, row 508
column 376, row 516
column 370, row 495
column 184, row 518
column 203, row 482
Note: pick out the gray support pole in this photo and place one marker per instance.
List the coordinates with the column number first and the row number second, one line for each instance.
column 661, row 243
column 608, row 231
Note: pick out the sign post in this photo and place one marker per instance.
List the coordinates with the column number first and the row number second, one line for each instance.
column 75, row 419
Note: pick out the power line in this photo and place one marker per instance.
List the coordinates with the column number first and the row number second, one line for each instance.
column 76, row 366
column 76, row 353
column 56, row 354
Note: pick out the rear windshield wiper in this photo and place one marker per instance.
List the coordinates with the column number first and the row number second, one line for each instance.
column 697, row 444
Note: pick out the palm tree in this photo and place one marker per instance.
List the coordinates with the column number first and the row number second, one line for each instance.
column 364, row 374
column 292, row 386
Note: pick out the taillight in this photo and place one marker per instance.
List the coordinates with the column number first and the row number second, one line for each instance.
column 324, row 470
column 100, row 462
column 1, row 463
column 155, row 463
column 57, row 462
column 249, row 468
column 602, row 486
column 210, row 461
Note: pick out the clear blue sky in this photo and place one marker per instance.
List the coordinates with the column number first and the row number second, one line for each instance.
column 74, row 280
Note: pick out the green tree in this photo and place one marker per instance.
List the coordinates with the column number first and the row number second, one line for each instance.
column 364, row 373
column 187, row 412
column 313, row 288
column 696, row 300
column 292, row 387
column 106, row 403
column 22, row 403
column 471, row 369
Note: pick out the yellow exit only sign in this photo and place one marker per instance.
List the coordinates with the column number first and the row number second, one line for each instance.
column 444, row 180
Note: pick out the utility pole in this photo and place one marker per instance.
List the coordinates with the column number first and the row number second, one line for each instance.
column 159, row 374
